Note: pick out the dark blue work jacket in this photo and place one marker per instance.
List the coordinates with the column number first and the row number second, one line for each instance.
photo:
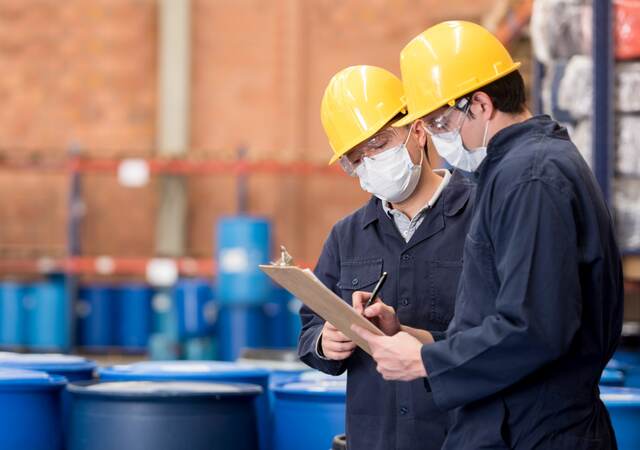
column 539, row 307
column 422, row 284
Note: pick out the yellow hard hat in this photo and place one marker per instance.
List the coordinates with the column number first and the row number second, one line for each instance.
column 448, row 61
column 357, row 103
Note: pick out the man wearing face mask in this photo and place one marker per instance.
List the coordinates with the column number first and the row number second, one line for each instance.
column 412, row 228
column 539, row 307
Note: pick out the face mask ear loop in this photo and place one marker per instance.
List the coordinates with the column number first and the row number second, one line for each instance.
column 486, row 130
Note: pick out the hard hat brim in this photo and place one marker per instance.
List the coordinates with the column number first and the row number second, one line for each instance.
column 412, row 116
column 373, row 131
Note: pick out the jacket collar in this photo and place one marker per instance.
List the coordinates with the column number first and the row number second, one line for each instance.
column 454, row 197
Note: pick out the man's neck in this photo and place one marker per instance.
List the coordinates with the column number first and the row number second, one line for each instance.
column 503, row 121
column 427, row 186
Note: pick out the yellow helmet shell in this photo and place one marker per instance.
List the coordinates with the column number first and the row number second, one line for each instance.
column 448, row 61
column 357, row 103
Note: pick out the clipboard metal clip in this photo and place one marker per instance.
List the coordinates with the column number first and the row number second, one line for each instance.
column 285, row 258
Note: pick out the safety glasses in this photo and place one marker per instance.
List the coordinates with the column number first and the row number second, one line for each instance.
column 450, row 120
column 381, row 142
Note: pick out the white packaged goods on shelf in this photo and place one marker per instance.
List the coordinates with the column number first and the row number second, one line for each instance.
column 628, row 79
column 557, row 28
column 581, row 137
column 554, row 73
column 628, row 146
column 627, row 209
column 576, row 87
column 575, row 93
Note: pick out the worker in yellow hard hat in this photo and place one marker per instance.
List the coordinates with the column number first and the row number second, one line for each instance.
column 413, row 228
column 539, row 307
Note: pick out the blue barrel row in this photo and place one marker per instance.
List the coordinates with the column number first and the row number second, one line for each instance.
column 38, row 316
column 113, row 315
column 40, row 414
column 303, row 413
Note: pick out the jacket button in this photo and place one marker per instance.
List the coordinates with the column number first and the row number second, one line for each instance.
column 406, row 257
column 405, row 302
column 354, row 281
column 404, row 410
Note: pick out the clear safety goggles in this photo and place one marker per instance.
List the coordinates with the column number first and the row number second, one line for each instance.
column 450, row 120
column 381, row 142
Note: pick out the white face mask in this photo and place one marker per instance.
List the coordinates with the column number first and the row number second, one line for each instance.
column 450, row 147
column 391, row 176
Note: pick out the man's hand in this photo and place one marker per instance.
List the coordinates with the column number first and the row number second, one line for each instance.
column 381, row 315
column 398, row 356
column 335, row 345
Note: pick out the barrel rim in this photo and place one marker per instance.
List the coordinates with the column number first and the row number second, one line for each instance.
column 81, row 388
column 232, row 370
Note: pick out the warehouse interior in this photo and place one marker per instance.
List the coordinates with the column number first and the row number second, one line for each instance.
column 154, row 152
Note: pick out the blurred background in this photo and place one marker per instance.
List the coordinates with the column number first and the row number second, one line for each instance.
column 153, row 152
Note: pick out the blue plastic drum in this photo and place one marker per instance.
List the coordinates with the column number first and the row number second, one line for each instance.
column 133, row 310
column 48, row 315
column 243, row 243
column 624, row 408
column 30, row 412
column 309, row 414
column 164, row 314
column 95, row 312
column 12, row 314
column 168, row 415
column 284, row 366
column 240, row 327
column 283, row 320
column 612, row 377
column 196, row 309
column 199, row 371
column 73, row 368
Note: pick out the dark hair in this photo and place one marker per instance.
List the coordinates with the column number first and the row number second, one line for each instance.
column 507, row 94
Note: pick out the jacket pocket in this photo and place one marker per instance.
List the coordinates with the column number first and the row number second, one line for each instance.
column 359, row 273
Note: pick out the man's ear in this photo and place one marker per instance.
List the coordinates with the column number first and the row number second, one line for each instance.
column 421, row 132
column 486, row 108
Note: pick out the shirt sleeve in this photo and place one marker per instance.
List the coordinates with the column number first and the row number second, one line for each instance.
column 538, row 305
column 328, row 272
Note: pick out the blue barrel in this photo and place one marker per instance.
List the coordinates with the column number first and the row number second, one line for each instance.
column 164, row 315
column 612, row 377
column 200, row 348
column 624, row 408
column 48, row 316
column 30, row 412
column 95, row 312
column 199, row 371
column 73, row 368
column 12, row 315
column 133, row 310
column 162, row 347
column 240, row 327
column 169, row 415
column 196, row 309
column 283, row 320
column 627, row 356
column 284, row 366
column 308, row 414
column 243, row 243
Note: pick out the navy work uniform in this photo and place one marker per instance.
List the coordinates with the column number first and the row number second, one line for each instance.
column 422, row 283
column 539, row 309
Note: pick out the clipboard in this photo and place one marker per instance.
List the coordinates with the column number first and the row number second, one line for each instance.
column 309, row 290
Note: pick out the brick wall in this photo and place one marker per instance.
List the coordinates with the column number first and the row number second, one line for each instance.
column 84, row 71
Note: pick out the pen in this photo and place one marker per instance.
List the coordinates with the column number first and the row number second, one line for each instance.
column 376, row 290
